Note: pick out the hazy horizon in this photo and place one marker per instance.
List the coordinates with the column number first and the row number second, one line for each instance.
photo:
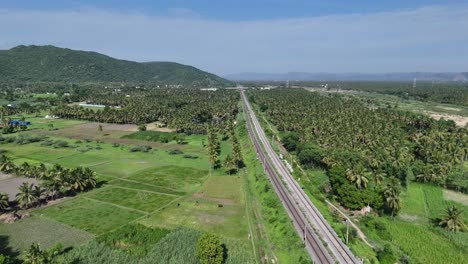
column 330, row 37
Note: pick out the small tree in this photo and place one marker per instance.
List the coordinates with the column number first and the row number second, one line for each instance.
column 453, row 220
column 209, row 249
column 99, row 128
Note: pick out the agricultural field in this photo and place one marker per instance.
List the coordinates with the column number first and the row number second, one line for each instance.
column 157, row 185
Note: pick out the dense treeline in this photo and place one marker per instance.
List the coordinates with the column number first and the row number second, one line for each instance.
column 439, row 92
column 369, row 153
column 186, row 110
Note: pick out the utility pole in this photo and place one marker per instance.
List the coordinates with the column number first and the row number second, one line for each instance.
column 347, row 231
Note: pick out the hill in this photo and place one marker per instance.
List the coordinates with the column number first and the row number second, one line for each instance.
column 53, row 64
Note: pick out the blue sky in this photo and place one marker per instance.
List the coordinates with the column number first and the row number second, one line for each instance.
column 252, row 36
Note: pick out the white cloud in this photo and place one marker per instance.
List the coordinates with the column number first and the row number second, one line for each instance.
column 424, row 39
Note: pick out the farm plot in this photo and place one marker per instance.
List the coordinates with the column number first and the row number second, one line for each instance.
column 173, row 177
column 89, row 215
column 140, row 200
column 44, row 231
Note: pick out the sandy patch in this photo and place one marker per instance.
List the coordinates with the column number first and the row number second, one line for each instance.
column 459, row 120
column 456, row 197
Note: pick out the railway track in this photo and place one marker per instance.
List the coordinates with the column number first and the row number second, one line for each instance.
column 295, row 199
column 313, row 244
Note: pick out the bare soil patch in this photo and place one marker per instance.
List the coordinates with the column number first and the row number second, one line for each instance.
column 156, row 127
column 10, row 185
column 456, row 197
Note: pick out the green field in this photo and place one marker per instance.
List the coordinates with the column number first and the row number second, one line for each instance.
column 154, row 188
column 21, row 234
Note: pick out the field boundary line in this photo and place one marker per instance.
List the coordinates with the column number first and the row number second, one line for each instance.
column 140, row 190
column 116, row 205
column 144, row 183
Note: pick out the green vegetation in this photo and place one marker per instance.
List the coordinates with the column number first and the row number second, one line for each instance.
column 141, row 196
column 52, row 64
column 440, row 92
column 163, row 137
column 134, row 239
column 90, row 215
column 209, row 249
column 336, row 135
column 36, row 229
column 276, row 238
column 185, row 110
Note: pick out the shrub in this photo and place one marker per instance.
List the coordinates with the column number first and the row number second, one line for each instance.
column 60, row 144
column 209, row 249
column 190, row 156
column 115, row 145
column 175, row 152
column 142, row 127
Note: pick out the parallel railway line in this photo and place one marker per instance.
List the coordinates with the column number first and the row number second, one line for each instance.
column 298, row 205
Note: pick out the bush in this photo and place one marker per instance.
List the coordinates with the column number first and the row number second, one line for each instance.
column 209, row 249
column 190, row 156
column 142, row 127
column 60, row 144
column 140, row 148
column 175, row 152
column 115, row 145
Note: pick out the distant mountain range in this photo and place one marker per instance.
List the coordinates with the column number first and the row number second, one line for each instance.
column 307, row 76
column 53, row 64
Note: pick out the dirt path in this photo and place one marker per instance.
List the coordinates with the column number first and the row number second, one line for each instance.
column 359, row 231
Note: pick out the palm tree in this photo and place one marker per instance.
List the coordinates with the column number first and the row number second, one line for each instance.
column 26, row 196
column 6, row 164
column 453, row 220
column 358, row 177
column 35, row 255
column 4, row 201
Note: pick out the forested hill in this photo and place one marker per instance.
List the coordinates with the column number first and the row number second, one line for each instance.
column 53, row 64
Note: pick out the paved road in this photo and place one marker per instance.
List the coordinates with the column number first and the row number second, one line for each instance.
column 295, row 199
